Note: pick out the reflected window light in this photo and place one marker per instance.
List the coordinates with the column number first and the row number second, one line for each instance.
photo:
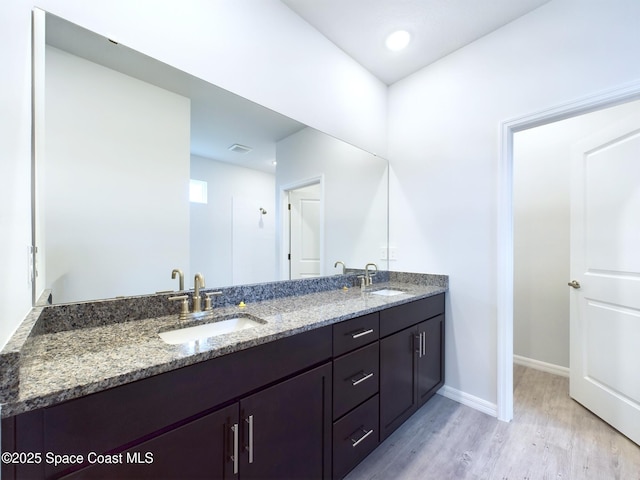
column 197, row 191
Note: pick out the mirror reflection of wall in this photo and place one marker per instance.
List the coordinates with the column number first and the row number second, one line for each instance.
column 124, row 136
column 232, row 243
column 355, row 193
column 116, row 170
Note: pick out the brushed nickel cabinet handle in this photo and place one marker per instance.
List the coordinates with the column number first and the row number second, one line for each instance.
column 418, row 338
column 366, row 434
column 250, row 446
column 362, row 379
column 234, row 457
column 424, row 344
column 361, row 334
column 574, row 284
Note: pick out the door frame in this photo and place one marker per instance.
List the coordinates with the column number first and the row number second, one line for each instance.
column 285, row 223
column 505, row 249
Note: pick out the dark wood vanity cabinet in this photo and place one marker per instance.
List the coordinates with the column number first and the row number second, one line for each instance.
column 182, row 420
column 411, row 359
column 311, row 405
column 280, row 432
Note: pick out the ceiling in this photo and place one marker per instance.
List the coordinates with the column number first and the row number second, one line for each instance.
column 437, row 27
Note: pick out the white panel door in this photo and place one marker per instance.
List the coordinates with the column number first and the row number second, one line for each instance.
column 605, row 262
column 305, row 233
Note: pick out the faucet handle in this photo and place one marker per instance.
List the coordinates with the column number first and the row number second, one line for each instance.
column 207, row 300
column 184, row 304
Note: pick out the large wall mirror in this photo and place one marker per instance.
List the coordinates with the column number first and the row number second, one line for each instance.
column 141, row 169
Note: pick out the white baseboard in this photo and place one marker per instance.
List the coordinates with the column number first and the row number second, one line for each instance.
column 469, row 400
column 543, row 366
column 491, row 408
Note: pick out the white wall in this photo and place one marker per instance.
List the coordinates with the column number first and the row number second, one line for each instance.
column 254, row 237
column 117, row 170
column 259, row 50
column 15, row 160
column 229, row 188
column 354, row 195
column 444, row 147
column 541, row 185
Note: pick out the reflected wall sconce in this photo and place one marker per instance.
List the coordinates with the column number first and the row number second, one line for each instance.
column 263, row 211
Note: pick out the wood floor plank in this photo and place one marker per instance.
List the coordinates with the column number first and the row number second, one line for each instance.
column 550, row 437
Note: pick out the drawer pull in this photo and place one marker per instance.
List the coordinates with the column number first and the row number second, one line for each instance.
column 361, row 334
column 361, row 379
column 366, row 434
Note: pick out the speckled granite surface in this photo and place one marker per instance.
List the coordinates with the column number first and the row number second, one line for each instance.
column 58, row 364
column 58, row 318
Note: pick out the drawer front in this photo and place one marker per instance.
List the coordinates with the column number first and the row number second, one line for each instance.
column 355, row 436
column 355, row 378
column 398, row 318
column 355, row 333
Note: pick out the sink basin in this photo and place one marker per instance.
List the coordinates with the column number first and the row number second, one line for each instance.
column 206, row 330
column 386, row 292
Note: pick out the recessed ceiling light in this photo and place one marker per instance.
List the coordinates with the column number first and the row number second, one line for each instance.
column 398, row 40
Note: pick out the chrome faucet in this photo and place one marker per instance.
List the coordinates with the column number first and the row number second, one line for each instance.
column 177, row 271
column 343, row 266
column 198, row 283
column 367, row 276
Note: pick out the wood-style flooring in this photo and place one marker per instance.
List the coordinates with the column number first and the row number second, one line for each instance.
column 550, row 437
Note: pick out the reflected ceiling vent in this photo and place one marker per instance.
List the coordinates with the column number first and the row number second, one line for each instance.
column 236, row 147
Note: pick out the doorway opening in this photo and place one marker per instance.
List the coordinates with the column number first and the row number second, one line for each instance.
column 541, row 204
column 505, row 235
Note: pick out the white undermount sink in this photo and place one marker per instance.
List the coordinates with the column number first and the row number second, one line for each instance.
column 387, row 292
column 206, row 330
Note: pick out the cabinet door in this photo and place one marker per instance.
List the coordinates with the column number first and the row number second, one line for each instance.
column 397, row 379
column 202, row 449
column 287, row 428
column 430, row 361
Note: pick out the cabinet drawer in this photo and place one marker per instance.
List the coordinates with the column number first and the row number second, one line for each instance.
column 355, row 333
column 355, row 378
column 398, row 318
column 355, row 436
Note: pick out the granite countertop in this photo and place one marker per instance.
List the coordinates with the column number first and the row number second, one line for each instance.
column 63, row 365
